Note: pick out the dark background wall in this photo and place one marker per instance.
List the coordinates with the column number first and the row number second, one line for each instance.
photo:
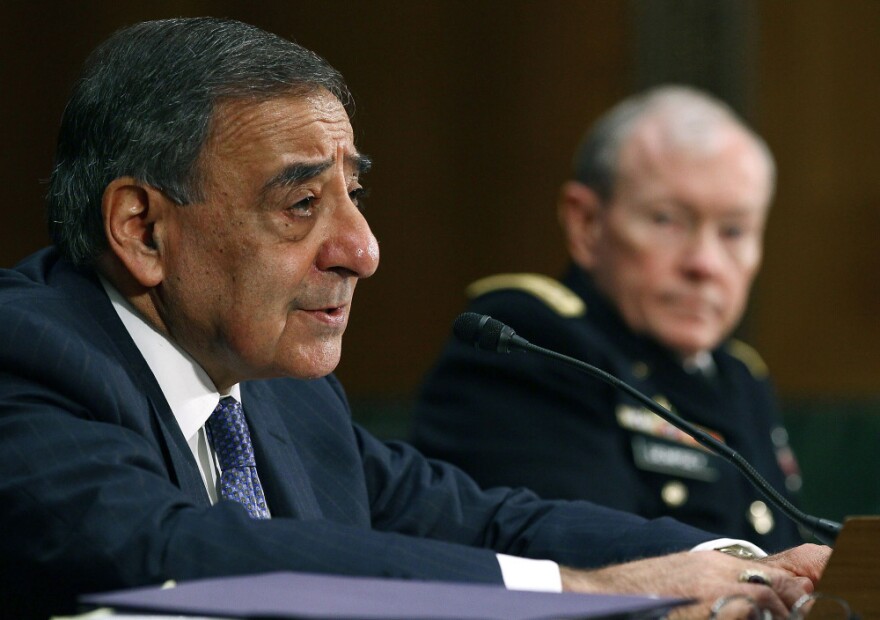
column 471, row 110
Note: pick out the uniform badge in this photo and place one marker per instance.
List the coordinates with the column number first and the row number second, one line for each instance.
column 660, row 447
column 673, row 459
column 786, row 459
column 640, row 420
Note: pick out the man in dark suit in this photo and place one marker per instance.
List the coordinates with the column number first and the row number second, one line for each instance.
column 166, row 405
column 664, row 221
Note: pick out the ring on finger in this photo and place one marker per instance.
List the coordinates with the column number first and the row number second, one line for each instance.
column 752, row 575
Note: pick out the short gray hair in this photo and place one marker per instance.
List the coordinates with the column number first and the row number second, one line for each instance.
column 691, row 115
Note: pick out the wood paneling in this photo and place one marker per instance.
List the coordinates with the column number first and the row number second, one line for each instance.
column 817, row 302
column 471, row 111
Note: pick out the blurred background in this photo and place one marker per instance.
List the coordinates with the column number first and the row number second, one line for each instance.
column 471, row 111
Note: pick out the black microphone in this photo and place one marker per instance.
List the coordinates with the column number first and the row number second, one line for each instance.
column 483, row 332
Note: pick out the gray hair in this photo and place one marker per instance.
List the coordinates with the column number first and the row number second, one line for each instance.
column 690, row 117
column 143, row 105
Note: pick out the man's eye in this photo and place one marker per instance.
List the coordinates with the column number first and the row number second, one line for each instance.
column 357, row 196
column 303, row 205
column 661, row 217
column 732, row 232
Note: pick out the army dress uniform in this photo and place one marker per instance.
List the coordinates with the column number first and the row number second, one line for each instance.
column 525, row 420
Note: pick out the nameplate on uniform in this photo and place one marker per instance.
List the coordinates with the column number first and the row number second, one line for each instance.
column 675, row 460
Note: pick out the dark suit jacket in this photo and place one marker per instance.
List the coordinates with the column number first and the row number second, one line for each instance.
column 526, row 420
column 99, row 490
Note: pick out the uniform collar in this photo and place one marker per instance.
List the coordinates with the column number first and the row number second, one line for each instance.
column 603, row 313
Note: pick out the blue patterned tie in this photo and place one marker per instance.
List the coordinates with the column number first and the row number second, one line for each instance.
column 228, row 432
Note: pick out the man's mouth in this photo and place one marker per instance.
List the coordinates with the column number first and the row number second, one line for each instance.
column 694, row 306
column 328, row 314
column 334, row 310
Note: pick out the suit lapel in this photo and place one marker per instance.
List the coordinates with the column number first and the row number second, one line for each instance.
column 282, row 473
column 87, row 290
column 182, row 463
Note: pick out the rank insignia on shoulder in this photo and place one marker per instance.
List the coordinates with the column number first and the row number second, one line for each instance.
column 553, row 293
column 750, row 357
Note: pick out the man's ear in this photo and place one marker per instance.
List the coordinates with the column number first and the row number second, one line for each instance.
column 134, row 214
column 579, row 211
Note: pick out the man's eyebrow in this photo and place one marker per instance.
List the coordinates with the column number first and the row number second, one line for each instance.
column 362, row 163
column 297, row 173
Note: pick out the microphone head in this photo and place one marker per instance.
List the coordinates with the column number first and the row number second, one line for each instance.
column 467, row 327
column 491, row 331
column 483, row 332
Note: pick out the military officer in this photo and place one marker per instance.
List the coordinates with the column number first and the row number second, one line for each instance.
column 664, row 224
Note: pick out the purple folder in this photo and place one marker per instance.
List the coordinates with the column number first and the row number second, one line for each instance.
column 303, row 595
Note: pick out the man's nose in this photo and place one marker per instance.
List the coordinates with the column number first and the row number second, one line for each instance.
column 350, row 245
column 704, row 253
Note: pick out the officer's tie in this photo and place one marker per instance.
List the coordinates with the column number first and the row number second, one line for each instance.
column 228, row 432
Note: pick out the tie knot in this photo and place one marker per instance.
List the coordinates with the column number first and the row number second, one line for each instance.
column 228, row 432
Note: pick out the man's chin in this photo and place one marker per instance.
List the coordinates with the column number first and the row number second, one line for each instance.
column 318, row 361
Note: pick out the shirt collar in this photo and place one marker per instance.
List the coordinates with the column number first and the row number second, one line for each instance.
column 188, row 389
column 701, row 363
